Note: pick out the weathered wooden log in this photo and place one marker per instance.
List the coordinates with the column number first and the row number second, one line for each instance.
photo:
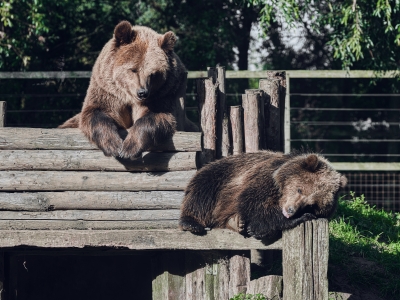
column 207, row 100
column 168, row 276
column 218, row 239
column 223, row 134
column 253, row 112
column 44, row 225
column 93, row 181
column 239, row 268
column 93, row 215
column 305, row 261
column 196, row 285
column 236, row 118
column 94, row 160
column 3, row 108
column 73, row 139
column 46, row 201
column 226, row 145
column 273, row 86
column 270, row 286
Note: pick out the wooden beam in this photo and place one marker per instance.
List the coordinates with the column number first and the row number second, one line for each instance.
column 93, row 181
column 93, row 215
column 305, row 256
column 253, row 119
column 236, row 121
column 94, row 160
column 73, row 139
column 46, row 225
column 229, row 74
column 219, row 239
column 46, row 201
column 370, row 166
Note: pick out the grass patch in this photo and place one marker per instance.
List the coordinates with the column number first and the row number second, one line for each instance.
column 364, row 248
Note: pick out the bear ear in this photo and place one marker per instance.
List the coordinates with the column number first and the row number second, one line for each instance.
column 167, row 41
column 123, row 33
column 343, row 181
column 311, row 162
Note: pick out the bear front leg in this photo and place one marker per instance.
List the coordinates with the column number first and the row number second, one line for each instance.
column 146, row 133
column 102, row 130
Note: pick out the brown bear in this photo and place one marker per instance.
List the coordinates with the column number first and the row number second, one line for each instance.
column 265, row 192
column 135, row 85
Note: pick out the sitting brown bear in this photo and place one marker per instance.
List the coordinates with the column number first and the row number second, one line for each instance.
column 135, row 85
column 266, row 192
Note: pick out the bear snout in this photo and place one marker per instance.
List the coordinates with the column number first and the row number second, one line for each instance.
column 288, row 212
column 142, row 93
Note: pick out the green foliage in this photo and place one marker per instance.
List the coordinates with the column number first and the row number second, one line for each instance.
column 248, row 297
column 363, row 33
column 360, row 231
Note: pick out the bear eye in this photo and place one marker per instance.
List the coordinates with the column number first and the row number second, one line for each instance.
column 299, row 191
column 134, row 70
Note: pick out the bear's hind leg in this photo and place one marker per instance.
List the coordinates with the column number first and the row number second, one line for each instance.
column 187, row 223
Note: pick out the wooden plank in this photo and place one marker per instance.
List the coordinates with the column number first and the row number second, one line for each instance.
column 305, row 261
column 219, row 239
column 286, row 119
column 86, row 225
column 3, row 108
column 94, row 160
column 93, row 215
column 370, row 166
column 46, row 201
column 43, row 75
column 73, row 139
column 93, row 181
column 195, row 283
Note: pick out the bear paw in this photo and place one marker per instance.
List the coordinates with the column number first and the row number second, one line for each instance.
column 189, row 224
column 112, row 148
column 130, row 150
column 308, row 217
column 255, row 233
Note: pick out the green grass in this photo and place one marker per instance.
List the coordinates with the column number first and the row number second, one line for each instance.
column 365, row 246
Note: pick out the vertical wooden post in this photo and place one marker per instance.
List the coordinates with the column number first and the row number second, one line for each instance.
column 239, row 268
column 274, row 87
column 236, row 117
column 207, row 100
column 224, row 134
column 3, row 108
column 168, row 276
column 305, row 261
column 253, row 111
column 286, row 134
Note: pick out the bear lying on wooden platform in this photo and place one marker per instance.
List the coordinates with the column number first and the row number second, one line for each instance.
column 263, row 192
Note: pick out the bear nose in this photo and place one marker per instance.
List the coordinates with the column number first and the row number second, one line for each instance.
column 142, row 93
column 290, row 210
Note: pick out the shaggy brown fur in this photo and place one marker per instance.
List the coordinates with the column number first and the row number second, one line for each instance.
column 265, row 191
column 134, row 85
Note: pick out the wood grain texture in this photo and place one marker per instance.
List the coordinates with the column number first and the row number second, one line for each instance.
column 86, row 225
column 239, row 268
column 93, row 181
column 305, row 261
column 270, row 286
column 253, row 117
column 93, row 215
column 3, row 108
column 73, row 139
column 207, row 100
column 131, row 239
column 94, row 160
column 46, row 201
column 236, row 118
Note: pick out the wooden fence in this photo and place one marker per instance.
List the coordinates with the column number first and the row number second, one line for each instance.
column 58, row 191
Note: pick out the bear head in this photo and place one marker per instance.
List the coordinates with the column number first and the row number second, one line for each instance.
column 308, row 183
column 144, row 61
